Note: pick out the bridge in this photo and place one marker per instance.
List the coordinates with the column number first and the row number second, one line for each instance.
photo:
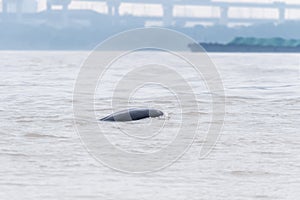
column 168, row 18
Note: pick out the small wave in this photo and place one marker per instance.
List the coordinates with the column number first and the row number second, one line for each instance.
column 249, row 173
column 37, row 135
column 14, row 154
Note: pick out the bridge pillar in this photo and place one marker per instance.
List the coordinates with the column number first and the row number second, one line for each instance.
column 110, row 9
column 224, row 15
column 281, row 14
column 4, row 6
column 167, row 15
column 113, row 10
column 48, row 6
column 116, row 8
column 281, row 11
column 4, row 10
column 19, row 9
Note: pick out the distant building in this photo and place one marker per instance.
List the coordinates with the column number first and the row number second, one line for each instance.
column 19, row 6
column 30, row 6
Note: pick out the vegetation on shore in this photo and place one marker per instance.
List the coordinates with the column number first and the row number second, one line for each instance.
column 265, row 42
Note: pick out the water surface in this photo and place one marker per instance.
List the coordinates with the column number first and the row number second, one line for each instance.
column 256, row 157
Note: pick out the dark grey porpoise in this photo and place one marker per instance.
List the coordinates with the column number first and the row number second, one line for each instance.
column 133, row 114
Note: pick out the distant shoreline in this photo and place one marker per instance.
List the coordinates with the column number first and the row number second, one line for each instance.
column 252, row 45
column 237, row 45
column 209, row 47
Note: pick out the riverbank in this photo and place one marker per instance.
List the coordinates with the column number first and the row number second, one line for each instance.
column 240, row 44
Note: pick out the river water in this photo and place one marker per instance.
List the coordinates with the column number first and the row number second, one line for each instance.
column 257, row 155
